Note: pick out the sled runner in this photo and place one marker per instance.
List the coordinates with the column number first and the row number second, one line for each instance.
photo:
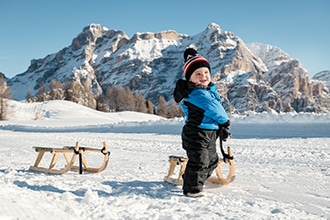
column 219, row 179
column 174, row 161
column 70, row 154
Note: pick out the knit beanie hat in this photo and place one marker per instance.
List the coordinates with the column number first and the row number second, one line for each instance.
column 193, row 61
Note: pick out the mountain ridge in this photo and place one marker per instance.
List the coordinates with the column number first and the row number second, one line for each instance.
column 250, row 77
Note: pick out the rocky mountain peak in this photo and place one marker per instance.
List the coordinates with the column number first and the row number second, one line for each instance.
column 90, row 34
column 213, row 26
column 253, row 77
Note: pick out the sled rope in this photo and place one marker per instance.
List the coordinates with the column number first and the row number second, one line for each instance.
column 105, row 151
column 226, row 157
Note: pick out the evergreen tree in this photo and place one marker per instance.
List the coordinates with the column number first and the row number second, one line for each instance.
column 101, row 104
column 41, row 94
column 161, row 110
column 87, row 96
column 110, row 98
column 150, row 107
column 173, row 110
column 72, row 92
column 5, row 95
column 140, row 103
column 56, row 90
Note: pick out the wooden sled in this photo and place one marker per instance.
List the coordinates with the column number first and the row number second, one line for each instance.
column 182, row 162
column 70, row 154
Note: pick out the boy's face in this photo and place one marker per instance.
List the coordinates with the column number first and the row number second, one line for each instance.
column 201, row 76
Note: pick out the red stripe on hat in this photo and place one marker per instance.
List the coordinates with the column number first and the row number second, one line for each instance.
column 196, row 59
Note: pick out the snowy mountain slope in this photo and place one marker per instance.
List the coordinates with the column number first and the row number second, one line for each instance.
column 249, row 78
column 291, row 81
column 324, row 77
column 276, row 177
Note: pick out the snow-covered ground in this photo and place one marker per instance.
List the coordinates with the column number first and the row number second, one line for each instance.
column 282, row 167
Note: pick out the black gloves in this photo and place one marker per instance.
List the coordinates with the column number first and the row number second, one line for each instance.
column 225, row 125
column 224, row 132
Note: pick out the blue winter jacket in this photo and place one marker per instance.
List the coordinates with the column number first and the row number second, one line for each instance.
column 202, row 106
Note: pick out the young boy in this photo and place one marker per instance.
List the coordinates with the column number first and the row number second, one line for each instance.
column 204, row 114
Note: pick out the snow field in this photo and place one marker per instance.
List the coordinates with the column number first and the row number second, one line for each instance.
column 278, row 175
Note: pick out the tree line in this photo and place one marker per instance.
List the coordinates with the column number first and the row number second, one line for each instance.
column 115, row 99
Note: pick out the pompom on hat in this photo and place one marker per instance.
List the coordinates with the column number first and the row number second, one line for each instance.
column 193, row 61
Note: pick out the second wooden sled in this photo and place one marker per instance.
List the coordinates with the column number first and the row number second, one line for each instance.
column 70, row 154
column 182, row 163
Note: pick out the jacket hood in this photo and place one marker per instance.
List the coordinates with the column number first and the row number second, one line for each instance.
column 184, row 87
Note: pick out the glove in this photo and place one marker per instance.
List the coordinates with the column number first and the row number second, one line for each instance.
column 225, row 125
column 224, row 132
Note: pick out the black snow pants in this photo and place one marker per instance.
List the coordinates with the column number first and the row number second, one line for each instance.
column 200, row 146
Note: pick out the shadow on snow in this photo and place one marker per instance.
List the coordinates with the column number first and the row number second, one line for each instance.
column 156, row 189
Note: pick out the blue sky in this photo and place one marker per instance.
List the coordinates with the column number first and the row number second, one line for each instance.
column 32, row 29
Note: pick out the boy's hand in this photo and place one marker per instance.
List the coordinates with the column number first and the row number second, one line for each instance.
column 224, row 133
